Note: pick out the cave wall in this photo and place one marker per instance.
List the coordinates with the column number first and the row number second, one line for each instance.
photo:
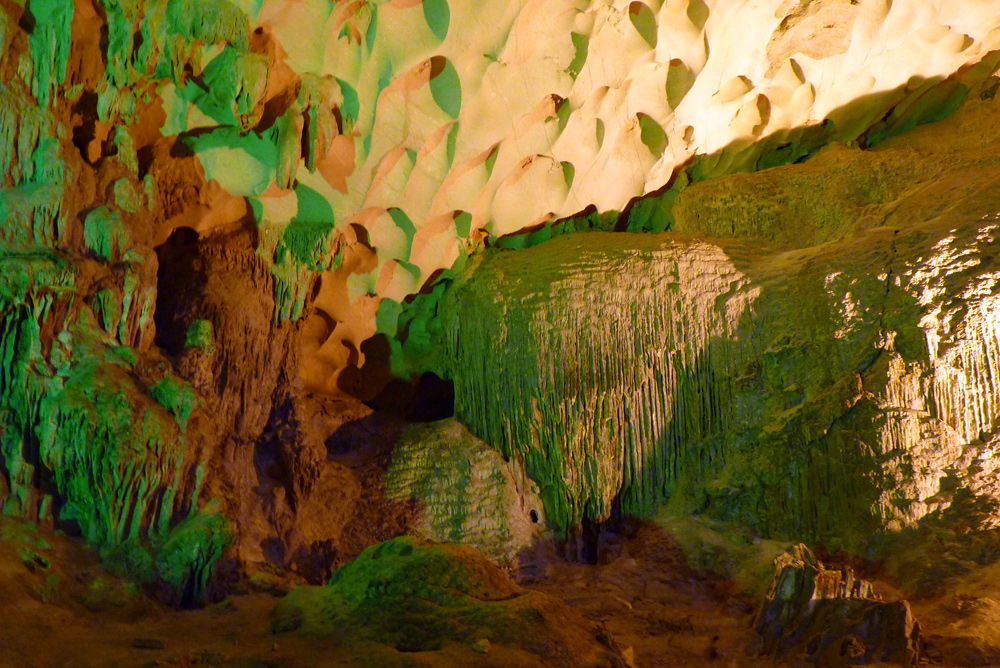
column 212, row 209
column 374, row 144
column 821, row 365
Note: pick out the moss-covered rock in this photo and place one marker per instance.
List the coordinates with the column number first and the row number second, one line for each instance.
column 727, row 549
column 90, row 437
column 468, row 493
column 417, row 596
column 821, row 393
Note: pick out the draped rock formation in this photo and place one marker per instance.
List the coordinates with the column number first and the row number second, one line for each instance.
column 804, row 388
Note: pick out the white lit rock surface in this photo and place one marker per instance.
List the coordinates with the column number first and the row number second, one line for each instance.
column 459, row 121
column 373, row 144
column 710, row 262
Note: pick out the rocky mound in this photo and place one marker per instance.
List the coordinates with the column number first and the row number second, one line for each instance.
column 417, row 596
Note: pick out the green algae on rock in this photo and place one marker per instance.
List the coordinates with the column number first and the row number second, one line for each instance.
column 468, row 493
column 405, row 593
column 89, row 439
column 776, row 388
column 185, row 557
column 114, row 460
column 418, row 596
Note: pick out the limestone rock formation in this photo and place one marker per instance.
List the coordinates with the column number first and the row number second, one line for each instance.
column 213, row 212
column 826, row 391
column 468, row 493
column 832, row 618
column 416, row 596
column 373, row 144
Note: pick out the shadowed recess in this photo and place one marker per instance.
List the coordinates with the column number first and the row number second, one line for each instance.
column 446, row 88
column 438, row 16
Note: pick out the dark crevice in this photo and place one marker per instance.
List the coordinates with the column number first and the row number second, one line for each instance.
column 137, row 42
column 27, row 22
column 883, row 332
column 86, row 131
column 178, row 279
column 306, row 148
column 145, row 157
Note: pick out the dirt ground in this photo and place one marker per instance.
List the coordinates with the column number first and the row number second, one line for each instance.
column 59, row 608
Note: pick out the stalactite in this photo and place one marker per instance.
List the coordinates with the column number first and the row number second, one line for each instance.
column 667, row 369
column 26, row 134
column 597, row 360
column 50, row 46
column 82, row 440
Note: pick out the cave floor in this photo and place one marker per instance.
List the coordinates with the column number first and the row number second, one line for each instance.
column 59, row 608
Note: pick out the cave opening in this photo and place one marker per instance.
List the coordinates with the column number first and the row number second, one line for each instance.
column 178, row 279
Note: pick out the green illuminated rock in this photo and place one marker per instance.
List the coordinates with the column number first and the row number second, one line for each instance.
column 87, row 438
column 208, row 21
column 416, row 596
column 205, row 204
column 32, row 215
column 201, row 334
column 186, row 556
column 392, row 590
column 468, row 493
column 799, row 392
column 24, row 130
column 105, row 234
column 50, row 45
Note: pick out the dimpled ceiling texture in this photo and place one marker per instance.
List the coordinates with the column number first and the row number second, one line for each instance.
column 430, row 128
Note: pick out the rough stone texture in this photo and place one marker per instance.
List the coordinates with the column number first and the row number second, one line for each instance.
column 417, row 597
column 374, row 144
column 296, row 174
column 831, row 617
column 317, row 499
column 468, row 493
column 960, row 623
column 94, row 435
column 824, row 391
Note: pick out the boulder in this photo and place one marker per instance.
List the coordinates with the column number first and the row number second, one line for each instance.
column 417, row 596
column 831, row 617
column 468, row 493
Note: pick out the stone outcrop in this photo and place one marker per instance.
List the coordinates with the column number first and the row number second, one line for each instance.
column 417, row 597
column 831, row 617
column 375, row 144
column 821, row 391
column 211, row 208
column 94, row 435
column 468, row 493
